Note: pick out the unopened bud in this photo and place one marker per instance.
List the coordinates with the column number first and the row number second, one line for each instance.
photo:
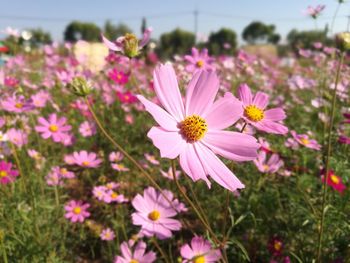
column 343, row 41
column 131, row 45
column 80, row 87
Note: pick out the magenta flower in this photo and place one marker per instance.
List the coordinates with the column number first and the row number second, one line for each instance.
column 7, row 174
column 304, row 140
column 107, row 234
column 194, row 131
column 200, row 251
column 118, row 77
column 85, row 159
column 126, row 97
column 16, row 104
column 154, row 213
column 334, row 181
column 270, row 166
column 256, row 115
column 199, row 60
column 135, row 253
column 53, row 127
column 76, row 211
column 129, row 45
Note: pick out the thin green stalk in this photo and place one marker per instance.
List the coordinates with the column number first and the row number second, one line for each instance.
column 161, row 251
column 329, row 148
column 188, row 200
column 4, row 254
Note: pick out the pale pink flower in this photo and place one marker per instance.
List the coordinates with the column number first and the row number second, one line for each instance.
column 151, row 158
column 107, row 234
column 199, row 60
column 270, row 166
column 200, row 250
column 17, row 137
column 304, row 140
column 132, row 253
column 169, row 174
column 194, row 131
column 84, row 159
column 87, row 129
column 55, row 128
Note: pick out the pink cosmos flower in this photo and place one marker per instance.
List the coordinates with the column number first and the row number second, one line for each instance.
column 194, row 131
column 107, row 234
column 199, row 251
column 115, row 157
column 85, row 159
column 53, row 127
column 270, row 166
column 16, row 104
column 135, row 253
column 76, row 211
column 17, row 137
column 256, row 115
column 151, row 158
column 87, row 129
column 304, row 140
column 199, row 60
column 120, row 167
column 154, row 213
column 40, row 99
column 314, row 12
column 7, row 174
column 334, row 181
column 118, row 77
column 126, row 97
column 129, row 45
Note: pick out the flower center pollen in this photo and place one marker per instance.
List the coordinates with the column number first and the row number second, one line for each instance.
column 200, row 63
column 305, row 141
column 193, row 128
column 254, row 113
column 3, row 174
column 53, row 128
column 134, row 261
column 154, row 215
column 200, row 259
column 77, row 210
column 334, row 179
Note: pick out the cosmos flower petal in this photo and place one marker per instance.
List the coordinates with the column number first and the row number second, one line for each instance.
column 163, row 118
column 261, row 100
column 224, row 112
column 271, row 127
column 217, row 169
column 110, row 44
column 167, row 89
column 170, row 143
column 276, row 114
column 191, row 164
column 146, row 37
column 232, row 145
column 245, row 95
column 201, row 92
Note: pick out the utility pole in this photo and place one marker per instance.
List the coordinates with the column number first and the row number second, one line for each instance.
column 195, row 13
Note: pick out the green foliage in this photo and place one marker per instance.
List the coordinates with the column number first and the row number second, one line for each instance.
column 218, row 39
column 39, row 37
column 82, row 31
column 259, row 32
column 305, row 39
column 177, row 41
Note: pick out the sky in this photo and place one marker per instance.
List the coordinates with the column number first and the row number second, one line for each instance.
column 166, row 15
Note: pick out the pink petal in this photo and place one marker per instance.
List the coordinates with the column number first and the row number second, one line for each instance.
column 217, row 169
column 276, row 114
column 261, row 100
column 170, row 143
column 146, row 37
column 224, row 112
column 110, row 44
column 271, row 127
column 167, row 89
column 232, row 145
column 244, row 94
column 163, row 118
column 201, row 92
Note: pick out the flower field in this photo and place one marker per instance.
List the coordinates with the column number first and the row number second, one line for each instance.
column 109, row 154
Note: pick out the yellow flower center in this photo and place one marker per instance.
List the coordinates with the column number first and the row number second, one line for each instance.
column 3, row 174
column 63, row 171
column 53, row 128
column 134, row 261
column 254, row 113
column 335, row 179
column 277, row 245
column 200, row 63
column 266, row 167
column 19, row 105
column 193, row 128
column 77, row 210
column 305, row 141
column 154, row 215
column 114, row 195
column 200, row 259
column 86, row 163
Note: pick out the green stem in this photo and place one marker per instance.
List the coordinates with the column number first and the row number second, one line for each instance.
column 329, row 148
column 161, row 251
column 4, row 254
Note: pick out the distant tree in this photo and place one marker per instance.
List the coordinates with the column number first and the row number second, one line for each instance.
column 113, row 31
column 82, row 31
column 223, row 41
column 39, row 37
column 259, row 32
column 305, row 39
column 274, row 38
column 177, row 41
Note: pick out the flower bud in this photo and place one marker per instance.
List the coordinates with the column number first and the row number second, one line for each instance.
column 343, row 41
column 80, row 87
column 131, row 45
